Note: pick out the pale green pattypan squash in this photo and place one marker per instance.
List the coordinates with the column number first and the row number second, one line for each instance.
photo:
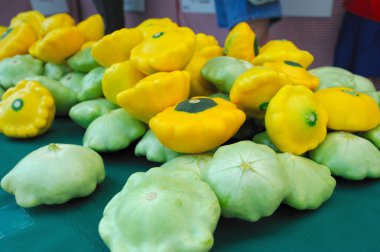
column 150, row 147
column 64, row 97
column 348, row 156
column 17, row 68
column 310, row 183
column 54, row 174
column 73, row 80
column 188, row 163
column 223, row 70
column 374, row 136
column 248, row 179
column 83, row 61
column 85, row 112
column 160, row 211
column 113, row 131
column 330, row 76
column 91, row 86
column 55, row 71
column 363, row 84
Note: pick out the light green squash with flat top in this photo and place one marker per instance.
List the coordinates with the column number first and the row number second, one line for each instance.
column 222, row 71
column 248, row 179
column 84, row 113
column 150, row 147
column 373, row 135
column 113, row 131
column 17, row 68
column 55, row 71
column 161, row 211
column 310, row 183
column 54, row 174
column 188, row 163
column 91, row 86
column 348, row 156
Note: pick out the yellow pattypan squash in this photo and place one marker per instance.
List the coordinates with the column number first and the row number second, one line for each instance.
column 348, row 109
column 253, row 89
column 282, row 50
column 295, row 73
column 16, row 40
column 197, row 125
column 116, row 47
column 34, row 18
column 198, row 85
column 278, row 45
column 152, row 26
column 27, row 110
column 164, row 51
column 207, row 46
column 92, row 28
column 295, row 120
column 55, row 21
column 3, row 29
column 119, row 77
column 241, row 42
column 203, row 40
column 211, row 52
column 154, row 93
column 58, row 44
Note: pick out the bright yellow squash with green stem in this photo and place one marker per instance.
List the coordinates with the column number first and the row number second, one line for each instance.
column 165, row 51
column 197, row 125
column 58, row 45
column 16, row 40
column 151, row 26
column 154, row 93
column 59, row 20
column 116, row 47
column 349, row 110
column 92, row 28
column 33, row 17
column 241, row 43
column 119, row 77
column 26, row 110
column 295, row 120
column 253, row 89
column 295, row 73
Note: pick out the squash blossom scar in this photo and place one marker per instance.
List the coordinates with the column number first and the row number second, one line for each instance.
column 157, row 35
column 311, row 118
column 151, row 196
column 17, row 104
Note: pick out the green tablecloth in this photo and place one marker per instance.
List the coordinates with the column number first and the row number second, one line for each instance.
column 349, row 221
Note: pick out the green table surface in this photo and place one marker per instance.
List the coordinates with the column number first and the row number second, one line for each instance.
column 348, row 221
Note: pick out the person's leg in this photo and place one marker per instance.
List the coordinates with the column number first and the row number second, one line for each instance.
column 221, row 15
column 112, row 12
column 259, row 17
column 261, row 29
column 344, row 56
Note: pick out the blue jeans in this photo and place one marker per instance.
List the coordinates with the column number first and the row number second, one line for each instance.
column 358, row 46
column 231, row 12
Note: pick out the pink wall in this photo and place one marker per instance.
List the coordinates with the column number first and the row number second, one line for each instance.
column 317, row 35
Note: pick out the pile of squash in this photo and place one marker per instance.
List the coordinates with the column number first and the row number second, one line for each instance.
column 239, row 129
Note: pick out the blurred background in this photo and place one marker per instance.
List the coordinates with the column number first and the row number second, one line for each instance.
column 311, row 25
